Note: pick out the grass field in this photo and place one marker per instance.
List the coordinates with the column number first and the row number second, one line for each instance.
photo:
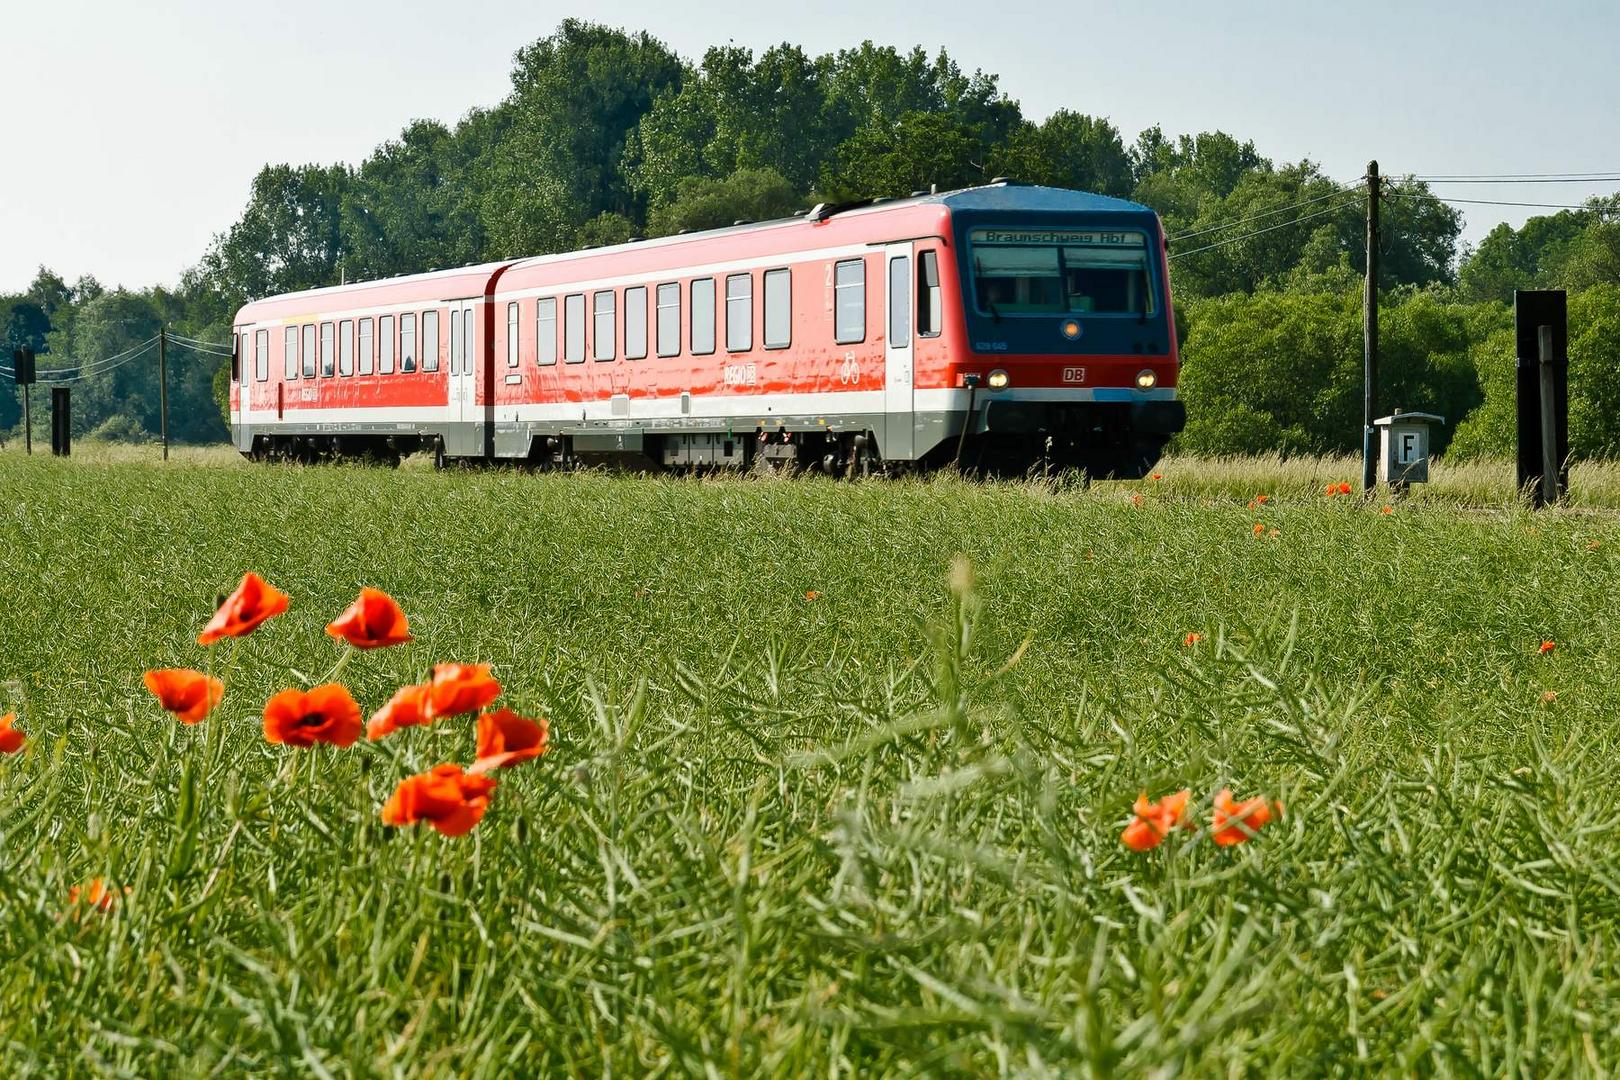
column 875, row 832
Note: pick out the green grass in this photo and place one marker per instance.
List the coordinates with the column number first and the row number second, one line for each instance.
column 874, row 833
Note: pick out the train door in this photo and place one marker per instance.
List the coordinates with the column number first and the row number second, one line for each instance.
column 899, row 433
column 464, row 361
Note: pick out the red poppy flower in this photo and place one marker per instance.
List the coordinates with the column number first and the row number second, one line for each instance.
column 812, row 595
column 1158, row 476
column 407, row 708
column 505, row 738
column 1547, row 647
column 371, row 622
column 95, row 893
column 189, row 694
column 326, row 714
column 1262, row 499
column 11, row 740
column 1259, row 529
column 1154, row 821
column 1192, row 639
column 1234, row 822
column 460, row 688
column 1344, row 488
column 447, row 798
column 1387, row 510
column 254, row 601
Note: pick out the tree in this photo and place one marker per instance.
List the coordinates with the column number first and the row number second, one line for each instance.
column 577, row 96
column 746, row 195
column 290, row 237
column 915, row 151
column 1067, row 150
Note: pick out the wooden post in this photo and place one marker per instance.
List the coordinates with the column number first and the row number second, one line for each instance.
column 1369, row 309
column 28, row 418
column 1549, row 418
column 163, row 388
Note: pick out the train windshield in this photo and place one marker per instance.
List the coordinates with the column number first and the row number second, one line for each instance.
column 1063, row 271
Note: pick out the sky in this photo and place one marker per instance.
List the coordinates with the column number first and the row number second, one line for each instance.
column 131, row 132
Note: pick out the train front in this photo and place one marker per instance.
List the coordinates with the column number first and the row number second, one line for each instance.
column 1070, row 334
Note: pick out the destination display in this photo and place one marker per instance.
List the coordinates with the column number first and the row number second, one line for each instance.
column 1066, row 237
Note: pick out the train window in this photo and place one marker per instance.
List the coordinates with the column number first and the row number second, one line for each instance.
column 849, row 315
column 739, row 312
column 385, row 338
column 930, row 316
column 469, row 349
column 778, row 309
column 455, row 340
column 238, row 347
column 545, row 331
column 602, row 333
column 346, row 347
column 635, row 322
column 703, row 316
column 512, row 334
column 574, row 328
column 367, row 349
column 309, row 350
column 430, row 341
column 900, row 302
column 407, row 343
column 669, row 319
column 328, row 367
column 289, row 353
column 261, row 355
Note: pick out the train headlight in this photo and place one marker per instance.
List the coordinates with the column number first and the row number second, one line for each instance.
column 1071, row 329
column 1146, row 379
column 998, row 379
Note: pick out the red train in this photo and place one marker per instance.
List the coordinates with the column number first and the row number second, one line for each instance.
column 1004, row 325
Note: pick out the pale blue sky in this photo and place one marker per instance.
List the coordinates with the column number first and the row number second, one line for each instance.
column 132, row 130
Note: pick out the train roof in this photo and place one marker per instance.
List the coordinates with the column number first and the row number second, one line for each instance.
column 1001, row 195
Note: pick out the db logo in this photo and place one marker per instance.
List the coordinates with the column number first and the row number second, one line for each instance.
column 1074, row 374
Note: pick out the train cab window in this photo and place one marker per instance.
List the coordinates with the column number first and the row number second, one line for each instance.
column 512, row 334
column 456, row 356
column 849, row 304
column 930, row 315
column 261, row 356
column 603, row 335
column 385, row 338
column 238, row 347
column 778, row 309
column 289, row 353
column 430, row 341
column 545, row 331
column 703, row 316
column 328, row 366
column 635, row 322
column 367, row 359
column 407, row 343
column 574, row 329
column 739, row 312
column 669, row 319
column 309, row 350
column 346, row 347
column 900, row 302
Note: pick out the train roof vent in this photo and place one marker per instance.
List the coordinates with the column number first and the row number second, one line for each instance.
column 823, row 211
column 1006, row 181
column 743, row 221
column 635, row 239
column 919, row 193
column 800, row 213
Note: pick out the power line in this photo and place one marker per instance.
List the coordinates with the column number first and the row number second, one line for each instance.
column 1520, row 178
column 91, row 367
column 1262, row 232
column 1269, row 213
column 1486, row 202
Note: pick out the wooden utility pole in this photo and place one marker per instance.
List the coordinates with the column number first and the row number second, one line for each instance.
column 163, row 387
column 1369, row 307
column 28, row 418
